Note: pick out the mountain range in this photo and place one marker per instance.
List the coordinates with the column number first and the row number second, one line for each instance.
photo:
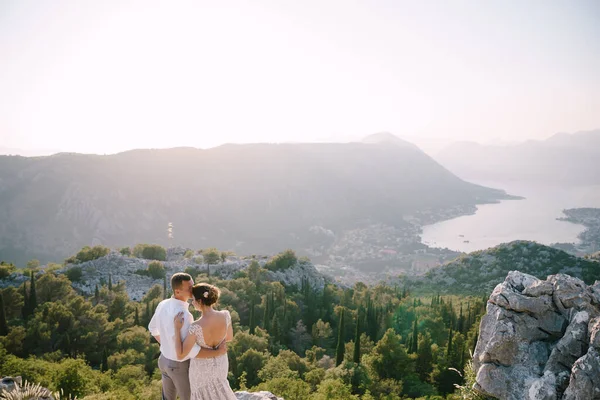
column 566, row 159
column 246, row 198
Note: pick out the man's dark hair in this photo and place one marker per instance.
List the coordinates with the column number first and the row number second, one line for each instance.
column 178, row 278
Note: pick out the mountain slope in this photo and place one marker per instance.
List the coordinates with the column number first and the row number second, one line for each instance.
column 481, row 271
column 563, row 158
column 249, row 198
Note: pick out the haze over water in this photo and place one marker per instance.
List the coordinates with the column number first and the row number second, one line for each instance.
column 533, row 218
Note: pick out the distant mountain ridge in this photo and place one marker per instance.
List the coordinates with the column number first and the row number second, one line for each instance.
column 248, row 198
column 562, row 159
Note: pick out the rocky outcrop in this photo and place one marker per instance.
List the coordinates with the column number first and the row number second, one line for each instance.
column 27, row 391
column 540, row 339
column 256, row 396
column 123, row 269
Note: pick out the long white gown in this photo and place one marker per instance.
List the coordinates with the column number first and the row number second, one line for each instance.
column 208, row 376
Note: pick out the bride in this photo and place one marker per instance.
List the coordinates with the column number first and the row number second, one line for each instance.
column 208, row 376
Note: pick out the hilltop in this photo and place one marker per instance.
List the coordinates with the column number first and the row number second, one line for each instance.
column 246, row 198
column 481, row 271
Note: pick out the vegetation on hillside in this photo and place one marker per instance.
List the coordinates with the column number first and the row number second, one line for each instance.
column 377, row 342
column 481, row 271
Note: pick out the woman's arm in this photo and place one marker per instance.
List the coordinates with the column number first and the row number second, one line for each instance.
column 182, row 348
column 229, row 336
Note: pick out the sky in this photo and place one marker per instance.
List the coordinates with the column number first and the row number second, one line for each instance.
column 108, row 76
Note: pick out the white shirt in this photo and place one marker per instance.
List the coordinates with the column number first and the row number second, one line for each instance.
column 162, row 325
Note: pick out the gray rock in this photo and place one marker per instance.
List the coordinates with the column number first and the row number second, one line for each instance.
column 257, row 396
column 540, row 340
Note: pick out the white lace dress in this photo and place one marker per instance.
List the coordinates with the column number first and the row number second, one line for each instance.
column 208, row 376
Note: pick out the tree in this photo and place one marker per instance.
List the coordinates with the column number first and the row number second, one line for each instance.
column 13, row 302
column 6, row 269
column 75, row 274
column 415, row 337
column 252, row 323
column 282, row 261
column 32, row 295
column 164, row 287
column 73, row 378
column 25, row 310
column 321, row 334
column 356, row 354
column 253, row 271
column 110, row 283
column 150, row 252
column 251, row 362
column 3, row 323
column 300, row 338
column 97, row 294
column 223, row 257
column 156, row 270
column 33, row 264
column 104, row 365
column 211, row 257
column 391, row 361
column 126, row 251
column 341, row 344
column 424, row 362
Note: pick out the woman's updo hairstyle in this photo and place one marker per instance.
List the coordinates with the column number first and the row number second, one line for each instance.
column 206, row 294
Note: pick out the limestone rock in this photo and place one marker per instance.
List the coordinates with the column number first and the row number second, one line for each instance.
column 540, row 340
column 123, row 269
column 257, row 396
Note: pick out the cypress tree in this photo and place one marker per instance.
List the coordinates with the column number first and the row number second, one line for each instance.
column 356, row 355
column 449, row 348
column 415, row 337
column 25, row 309
column 275, row 329
column 267, row 313
column 3, row 323
column 136, row 320
column 341, row 346
column 252, row 322
column 97, row 294
column 148, row 317
column 461, row 322
column 164, row 287
column 32, row 295
column 110, row 282
column 104, row 365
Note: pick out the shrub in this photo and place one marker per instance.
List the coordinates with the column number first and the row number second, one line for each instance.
column 282, row 261
column 150, row 252
column 6, row 269
column 88, row 254
column 74, row 274
column 156, row 270
column 125, row 251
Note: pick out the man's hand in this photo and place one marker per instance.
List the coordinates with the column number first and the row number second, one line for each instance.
column 210, row 353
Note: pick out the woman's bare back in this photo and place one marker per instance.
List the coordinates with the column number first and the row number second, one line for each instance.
column 213, row 328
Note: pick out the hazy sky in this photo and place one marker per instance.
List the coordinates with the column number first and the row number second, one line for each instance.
column 105, row 76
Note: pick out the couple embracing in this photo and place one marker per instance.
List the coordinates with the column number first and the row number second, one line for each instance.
column 193, row 360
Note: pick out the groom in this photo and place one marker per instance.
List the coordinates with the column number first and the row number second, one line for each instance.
column 175, row 380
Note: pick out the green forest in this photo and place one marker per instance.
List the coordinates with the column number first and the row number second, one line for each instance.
column 298, row 342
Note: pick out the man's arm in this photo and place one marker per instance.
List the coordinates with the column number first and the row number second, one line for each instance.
column 153, row 326
column 210, row 353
